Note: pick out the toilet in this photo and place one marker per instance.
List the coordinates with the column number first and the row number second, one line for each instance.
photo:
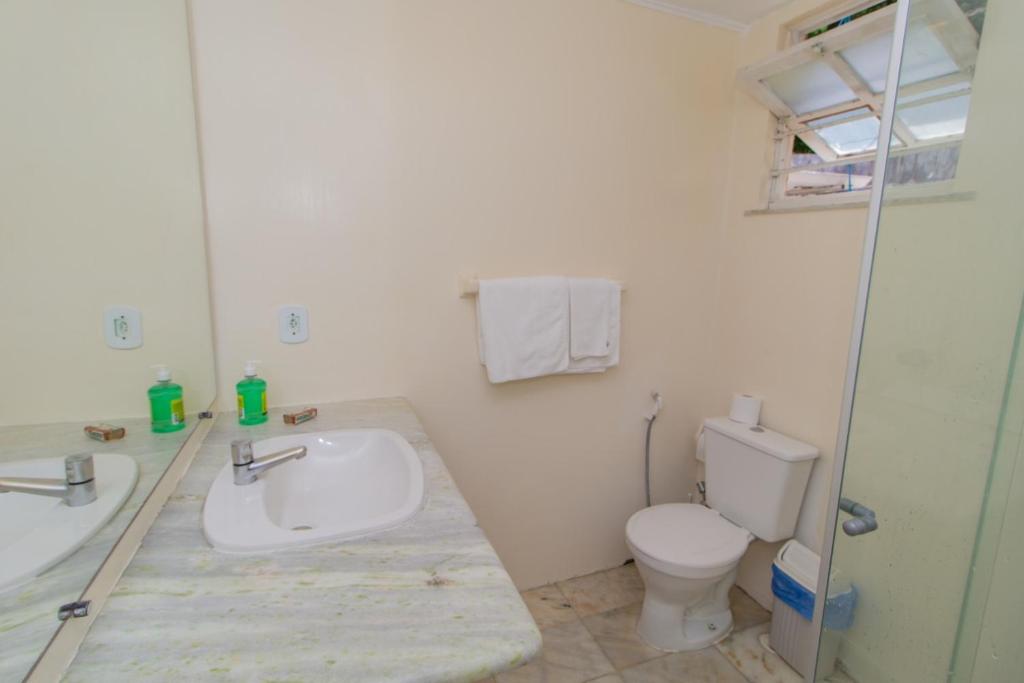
column 688, row 554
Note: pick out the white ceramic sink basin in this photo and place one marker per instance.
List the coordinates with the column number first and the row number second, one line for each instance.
column 37, row 532
column 351, row 483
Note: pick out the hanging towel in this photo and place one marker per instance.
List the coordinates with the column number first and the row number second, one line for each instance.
column 524, row 327
column 611, row 359
column 590, row 307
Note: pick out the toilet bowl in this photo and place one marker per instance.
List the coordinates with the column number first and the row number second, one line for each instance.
column 687, row 557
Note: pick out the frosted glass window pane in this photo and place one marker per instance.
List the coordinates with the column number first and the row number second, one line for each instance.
column 810, row 87
column 937, row 119
column 924, row 57
column 870, row 60
column 853, row 137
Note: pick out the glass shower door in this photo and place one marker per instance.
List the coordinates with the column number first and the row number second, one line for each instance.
column 931, row 499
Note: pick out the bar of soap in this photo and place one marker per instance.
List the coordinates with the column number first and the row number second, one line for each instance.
column 104, row 432
column 300, row 417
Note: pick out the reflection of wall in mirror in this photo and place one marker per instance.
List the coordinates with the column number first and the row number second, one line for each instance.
column 101, row 206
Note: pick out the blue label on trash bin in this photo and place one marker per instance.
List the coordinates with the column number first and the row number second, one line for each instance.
column 792, row 593
column 838, row 609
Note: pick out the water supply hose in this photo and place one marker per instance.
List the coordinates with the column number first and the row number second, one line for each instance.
column 647, row 444
column 647, row 457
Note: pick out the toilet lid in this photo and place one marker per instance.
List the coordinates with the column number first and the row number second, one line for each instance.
column 687, row 536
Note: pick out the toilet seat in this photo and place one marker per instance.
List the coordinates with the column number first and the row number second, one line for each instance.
column 687, row 541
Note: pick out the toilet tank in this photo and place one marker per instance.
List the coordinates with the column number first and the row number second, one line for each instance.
column 755, row 477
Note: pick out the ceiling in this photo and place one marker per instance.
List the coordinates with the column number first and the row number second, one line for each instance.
column 734, row 14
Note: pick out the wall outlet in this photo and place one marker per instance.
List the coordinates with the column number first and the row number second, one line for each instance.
column 122, row 327
column 293, row 324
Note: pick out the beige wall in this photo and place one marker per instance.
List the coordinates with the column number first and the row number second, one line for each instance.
column 784, row 301
column 987, row 639
column 993, row 610
column 360, row 156
column 99, row 204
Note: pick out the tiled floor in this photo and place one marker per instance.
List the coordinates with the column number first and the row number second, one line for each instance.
column 589, row 629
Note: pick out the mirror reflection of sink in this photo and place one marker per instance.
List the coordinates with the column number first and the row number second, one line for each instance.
column 37, row 532
column 351, row 483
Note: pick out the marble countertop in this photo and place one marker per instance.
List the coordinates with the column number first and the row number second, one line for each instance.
column 426, row 601
column 28, row 613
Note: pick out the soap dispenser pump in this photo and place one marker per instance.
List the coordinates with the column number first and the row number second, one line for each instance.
column 166, row 403
column 252, row 397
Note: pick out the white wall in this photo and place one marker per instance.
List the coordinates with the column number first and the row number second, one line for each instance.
column 100, row 204
column 360, row 156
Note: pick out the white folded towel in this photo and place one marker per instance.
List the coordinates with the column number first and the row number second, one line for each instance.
column 524, row 327
column 590, row 307
column 614, row 331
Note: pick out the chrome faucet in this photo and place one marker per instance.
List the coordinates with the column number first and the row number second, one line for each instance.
column 78, row 487
column 247, row 468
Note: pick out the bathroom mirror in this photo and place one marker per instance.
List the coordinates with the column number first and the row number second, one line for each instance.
column 103, row 276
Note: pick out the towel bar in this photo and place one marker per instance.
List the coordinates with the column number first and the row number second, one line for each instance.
column 469, row 286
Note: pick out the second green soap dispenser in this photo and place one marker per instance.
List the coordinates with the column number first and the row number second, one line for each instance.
column 252, row 397
column 166, row 404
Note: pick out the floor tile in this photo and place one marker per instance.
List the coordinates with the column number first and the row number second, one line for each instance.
column 603, row 591
column 570, row 655
column 746, row 611
column 610, row 678
column 615, row 632
column 702, row 666
column 549, row 607
column 758, row 665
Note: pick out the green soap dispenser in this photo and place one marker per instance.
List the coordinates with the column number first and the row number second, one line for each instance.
column 252, row 397
column 166, row 404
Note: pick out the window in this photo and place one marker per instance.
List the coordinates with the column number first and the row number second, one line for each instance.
column 845, row 15
column 827, row 92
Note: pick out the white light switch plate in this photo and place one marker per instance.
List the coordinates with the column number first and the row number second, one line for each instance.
column 122, row 327
column 293, row 324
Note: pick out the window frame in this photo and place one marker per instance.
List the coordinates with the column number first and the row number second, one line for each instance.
column 796, row 31
column 944, row 19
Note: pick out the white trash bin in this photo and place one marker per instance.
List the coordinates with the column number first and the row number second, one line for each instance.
column 794, row 583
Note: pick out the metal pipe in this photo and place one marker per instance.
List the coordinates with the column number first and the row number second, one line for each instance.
column 863, row 522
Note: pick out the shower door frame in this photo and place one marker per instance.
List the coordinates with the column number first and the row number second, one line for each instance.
column 885, row 133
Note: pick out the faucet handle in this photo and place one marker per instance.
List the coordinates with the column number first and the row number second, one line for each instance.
column 241, row 452
column 79, row 469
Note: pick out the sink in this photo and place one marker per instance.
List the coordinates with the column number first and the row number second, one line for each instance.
column 351, row 483
column 37, row 532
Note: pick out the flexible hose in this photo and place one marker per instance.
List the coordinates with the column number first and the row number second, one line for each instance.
column 647, row 458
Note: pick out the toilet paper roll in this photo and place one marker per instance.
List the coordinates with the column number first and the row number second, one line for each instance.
column 746, row 409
